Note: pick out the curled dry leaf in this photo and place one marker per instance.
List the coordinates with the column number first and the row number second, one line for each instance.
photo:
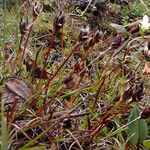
column 16, row 87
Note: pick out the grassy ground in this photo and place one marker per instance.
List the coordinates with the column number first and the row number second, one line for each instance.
column 69, row 83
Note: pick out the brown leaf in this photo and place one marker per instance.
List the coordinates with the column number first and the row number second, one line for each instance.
column 16, row 87
column 134, row 27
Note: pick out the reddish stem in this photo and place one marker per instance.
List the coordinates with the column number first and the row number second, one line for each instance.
column 26, row 42
column 13, row 110
column 120, row 111
column 62, row 65
column 62, row 46
column 107, row 114
column 42, row 108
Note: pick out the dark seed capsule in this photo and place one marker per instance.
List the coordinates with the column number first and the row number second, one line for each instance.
column 59, row 22
column 68, row 79
column 112, row 1
column 146, row 112
column 148, row 45
column 94, row 10
column 68, row 82
column 67, row 123
column 35, row 71
column 84, row 33
column 23, row 26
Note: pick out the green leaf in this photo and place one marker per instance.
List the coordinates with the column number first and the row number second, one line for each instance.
column 138, row 129
column 134, row 128
column 146, row 143
column 118, row 28
column 34, row 148
column 143, row 130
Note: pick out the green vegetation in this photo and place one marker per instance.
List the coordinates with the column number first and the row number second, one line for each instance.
column 66, row 85
column 136, row 8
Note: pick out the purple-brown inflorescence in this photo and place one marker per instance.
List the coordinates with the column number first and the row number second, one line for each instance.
column 59, row 22
column 84, row 33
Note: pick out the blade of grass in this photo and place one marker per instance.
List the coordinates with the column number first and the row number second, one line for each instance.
column 4, row 145
column 51, row 127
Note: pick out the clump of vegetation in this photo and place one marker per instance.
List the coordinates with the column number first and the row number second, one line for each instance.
column 65, row 86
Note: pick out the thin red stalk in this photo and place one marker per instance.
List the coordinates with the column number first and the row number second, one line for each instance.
column 37, row 113
column 48, row 52
column 21, row 39
column 45, row 62
column 62, row 46
column 34, row 101
column 102, row 75
column 86, row 53
column 57, row 71
column 26, row 42
column 98, row 92
column 19, row 53
column 14, row 107
column 44, row 66
column 105, row 67
column 107, row 114
column 111, row 119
